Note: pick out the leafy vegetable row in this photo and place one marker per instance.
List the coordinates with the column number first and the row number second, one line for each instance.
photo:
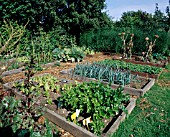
column 96, row 101
column 103, row 73
column 41, row 85
column 133, row 67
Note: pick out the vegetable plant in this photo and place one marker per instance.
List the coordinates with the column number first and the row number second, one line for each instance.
column 94, row 100
column 73, row 54
column 130, row 66
column 103, row 73
column 40, row 85
column 23, row 119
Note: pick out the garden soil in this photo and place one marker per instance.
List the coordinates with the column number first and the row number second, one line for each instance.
column 56, row 72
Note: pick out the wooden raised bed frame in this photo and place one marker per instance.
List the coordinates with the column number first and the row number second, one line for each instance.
column 128, row 90
column 70, row 126
column 163, row 62
column 146, row 75
column 22, row 69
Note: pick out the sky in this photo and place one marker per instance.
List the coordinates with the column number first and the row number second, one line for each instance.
column 115, row 8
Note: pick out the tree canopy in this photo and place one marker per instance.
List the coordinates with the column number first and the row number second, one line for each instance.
column 75, row 16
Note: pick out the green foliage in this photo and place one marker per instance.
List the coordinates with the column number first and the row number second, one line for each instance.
column 117, row 64
column 107, row 40
column 95, row 100
column 103, row 73
column 39, row 86
column 159, row 56
column 79, row 16
column 102, row 40
column 23, row 119
column 73, row 54
column 74, row 16
column 40, row 13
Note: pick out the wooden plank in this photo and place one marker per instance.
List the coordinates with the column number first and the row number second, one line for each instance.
column 11, row 72
column 128, row 90
column 22, row 69
column 66, row 125
column 116, row 124
column 69, row 126
column 149, row 85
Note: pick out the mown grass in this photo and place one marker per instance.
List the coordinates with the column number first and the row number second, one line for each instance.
column 151, row 116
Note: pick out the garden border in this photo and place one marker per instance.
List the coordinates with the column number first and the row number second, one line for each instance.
column 147, row 75
column 22, row 69
column 143, row 63
column 70, row 126
column 129, row 90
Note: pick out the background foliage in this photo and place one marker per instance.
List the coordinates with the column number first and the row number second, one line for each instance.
column 86, row 21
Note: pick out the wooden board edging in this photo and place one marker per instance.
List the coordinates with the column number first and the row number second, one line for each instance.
column 165, row 62
column 128, row 90
column 13, row 71
column 22, row 69
column 116, row 124
column 70, row 126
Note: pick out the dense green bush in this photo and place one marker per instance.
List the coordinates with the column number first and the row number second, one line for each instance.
column 102, row 40
column 108, row 40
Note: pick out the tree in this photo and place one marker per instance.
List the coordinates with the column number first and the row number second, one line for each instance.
column 167, row 18
column 77, row 16
column 158, row 18
column 41, row 13
column 10, row 35
column 137, row 19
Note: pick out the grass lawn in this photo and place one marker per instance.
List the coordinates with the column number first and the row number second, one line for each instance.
column 151, row 116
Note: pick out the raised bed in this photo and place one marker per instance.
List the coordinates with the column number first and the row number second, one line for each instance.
column 161, row 63
column 146, row 75
column 141, row 70
column 73, row 128
column 129, row 90
column 11, row 72
column 22, row 69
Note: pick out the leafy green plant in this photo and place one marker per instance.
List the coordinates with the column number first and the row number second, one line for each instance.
column 102, row 73
column 24, row 119
column 68, row 54
column 116, row 64
column 159, row 56
column 95, row 100
column 39, row 85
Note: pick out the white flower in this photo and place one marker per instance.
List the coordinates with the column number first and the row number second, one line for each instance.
column 77, row 112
